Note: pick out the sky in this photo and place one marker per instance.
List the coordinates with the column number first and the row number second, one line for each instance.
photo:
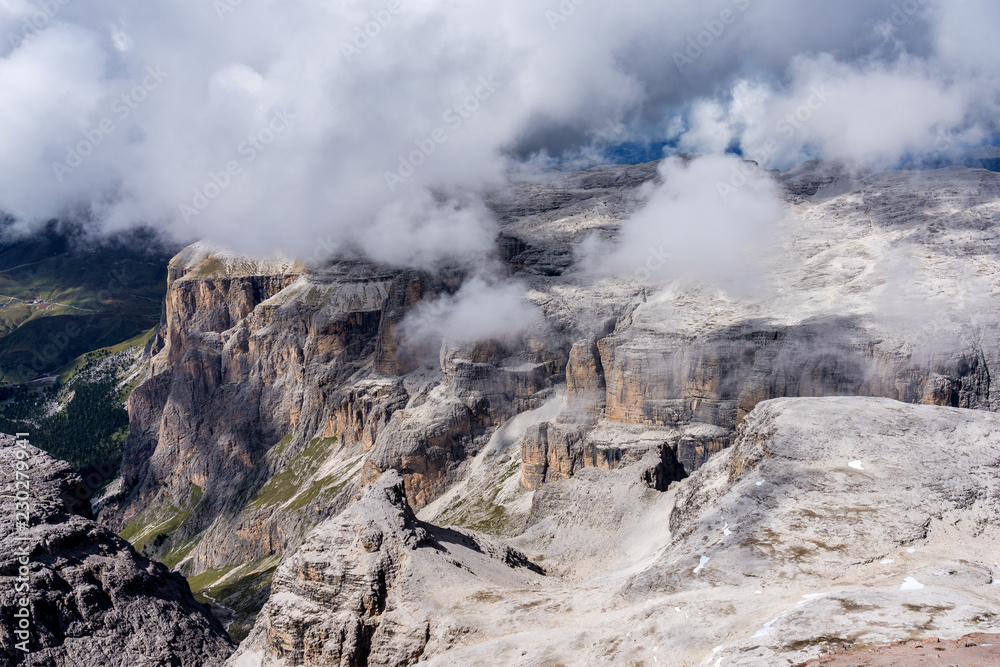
column 314, row 127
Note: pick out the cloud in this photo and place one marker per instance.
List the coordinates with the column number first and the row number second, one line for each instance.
column 711, row 217
column 279, row 125
column 871, row 114
column 480, row 310
column 420, row 230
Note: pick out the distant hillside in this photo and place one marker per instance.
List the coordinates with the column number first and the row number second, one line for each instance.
column 984, row 157
column 63, row 294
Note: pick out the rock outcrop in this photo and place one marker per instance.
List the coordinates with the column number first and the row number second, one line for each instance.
column 350, row 595
column 91, row 599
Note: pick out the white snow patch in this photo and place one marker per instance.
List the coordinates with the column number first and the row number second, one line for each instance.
column 725, row 530
column 910, row 550
column 856, row 465
column 911, row 584
column 704, row 560
column 887, row 561
column 767, row 626
column 760, row 482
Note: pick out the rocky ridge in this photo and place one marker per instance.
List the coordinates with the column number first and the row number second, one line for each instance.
column 93, row 599
column 351, row 595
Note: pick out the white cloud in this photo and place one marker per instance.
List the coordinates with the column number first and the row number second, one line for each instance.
column 710, row 218
column 361, row 102
column 480, row 310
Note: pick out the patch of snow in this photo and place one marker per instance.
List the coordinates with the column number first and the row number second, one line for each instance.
column 856, row 465
column 767, row 626
column 911, row 584
column 760, row 482
column 704, row 560
column 887, row 561
column 725, row 530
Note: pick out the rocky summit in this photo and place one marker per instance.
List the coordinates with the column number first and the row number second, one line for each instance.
column 93, row 599
column 613, row 482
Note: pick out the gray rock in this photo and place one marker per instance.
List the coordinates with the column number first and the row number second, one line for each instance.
column 350, row 594
column 93, row 600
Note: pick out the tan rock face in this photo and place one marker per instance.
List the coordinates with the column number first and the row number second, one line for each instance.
column 719, row 382
column 556, row 450
column 253, row 361
column 249, row 360
column 585, row 385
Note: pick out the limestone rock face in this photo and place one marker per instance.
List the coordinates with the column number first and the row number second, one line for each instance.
column 585, row 382
column 93, row 600
column 242, row 368
column 346, row 597
column 424, row 442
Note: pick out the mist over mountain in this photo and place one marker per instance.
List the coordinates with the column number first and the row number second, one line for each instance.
column 306, row 126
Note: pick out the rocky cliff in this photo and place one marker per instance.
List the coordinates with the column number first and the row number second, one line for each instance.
column 92, row 600
column 831, row 523
column 278, row 390
column 352, row 594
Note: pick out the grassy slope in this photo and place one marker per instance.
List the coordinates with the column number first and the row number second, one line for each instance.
column 90, row 426
column 101, row 293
